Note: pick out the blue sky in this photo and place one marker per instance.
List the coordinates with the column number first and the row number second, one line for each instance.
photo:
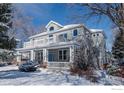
column 63, row 14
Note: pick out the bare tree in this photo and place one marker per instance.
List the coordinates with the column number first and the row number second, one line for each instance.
column 114, row 12
column 23, row 23
column 86, row 55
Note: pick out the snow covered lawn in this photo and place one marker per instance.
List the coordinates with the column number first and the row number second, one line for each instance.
column 9, row 75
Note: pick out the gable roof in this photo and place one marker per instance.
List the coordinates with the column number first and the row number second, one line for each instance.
column 53, row 23
column 66, row 27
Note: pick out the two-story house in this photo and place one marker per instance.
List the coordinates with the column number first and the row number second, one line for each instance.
column 55, row 46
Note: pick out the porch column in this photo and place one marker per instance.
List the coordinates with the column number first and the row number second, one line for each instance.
column 32, row 57
column 45, row 55
column 18, row 58
column 71, row 54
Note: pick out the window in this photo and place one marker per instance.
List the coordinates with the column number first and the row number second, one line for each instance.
column 60, row 55
column 50, row 35
column 75, row 32
column 63, row 37
column 50, row 38
column 52, row 56
column 63, row 55
column 51, row 28
column 94, row 35
column 97, row 34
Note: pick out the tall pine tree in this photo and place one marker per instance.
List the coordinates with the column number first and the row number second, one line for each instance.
column 5, row 25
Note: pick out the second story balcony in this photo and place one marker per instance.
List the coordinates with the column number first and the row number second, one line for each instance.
column 47, row 41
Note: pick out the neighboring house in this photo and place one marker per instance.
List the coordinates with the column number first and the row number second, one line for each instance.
column 99, row 40
column 56, row 45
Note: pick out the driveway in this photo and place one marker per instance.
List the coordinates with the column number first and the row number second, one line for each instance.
column 10, row 75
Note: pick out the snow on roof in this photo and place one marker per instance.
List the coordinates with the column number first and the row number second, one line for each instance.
column 70, row 26
column 54, row 23
column 63, row 28
column 17, row 39
column 96, row 30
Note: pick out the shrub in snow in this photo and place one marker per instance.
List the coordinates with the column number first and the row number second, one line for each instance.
column 29, row 66
column 121, row 64
column 44, row 65
column 6, row 56
column 112, row 70
column 85, row 56
column 88, row 74
column 116, row 71
column 3, row 64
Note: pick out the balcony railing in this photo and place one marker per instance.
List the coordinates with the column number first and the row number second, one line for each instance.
column 27, row 45
column 43, row 42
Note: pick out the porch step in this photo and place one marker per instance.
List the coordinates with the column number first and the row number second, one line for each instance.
column 58, row 68
column 59, row 65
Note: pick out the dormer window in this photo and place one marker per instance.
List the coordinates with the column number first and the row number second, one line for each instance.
column 51, row 28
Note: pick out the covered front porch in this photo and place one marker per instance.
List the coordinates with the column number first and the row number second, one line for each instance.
column 59, row 57
column 53, row 57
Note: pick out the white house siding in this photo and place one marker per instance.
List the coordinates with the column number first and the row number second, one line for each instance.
column 49, row 40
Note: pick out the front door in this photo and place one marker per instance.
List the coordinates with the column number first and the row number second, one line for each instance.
column 39, row 56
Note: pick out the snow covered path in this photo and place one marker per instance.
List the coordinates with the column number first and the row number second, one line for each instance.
column 9, row 75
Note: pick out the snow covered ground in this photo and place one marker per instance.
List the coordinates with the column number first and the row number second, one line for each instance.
column 9, row 75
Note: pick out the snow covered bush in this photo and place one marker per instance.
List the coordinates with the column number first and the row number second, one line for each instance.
column 3, row 64
column 116, row 70
column 29, row 66
column 111, row 70
column 6, row 57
